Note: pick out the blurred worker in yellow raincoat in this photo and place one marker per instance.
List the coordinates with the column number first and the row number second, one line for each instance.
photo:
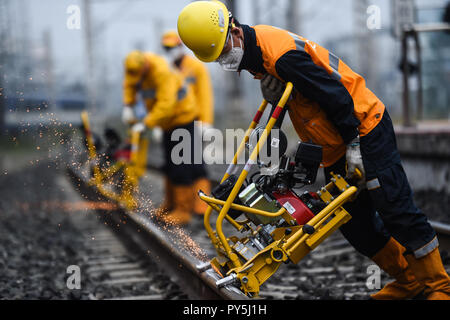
column 170, row 105
column 197, row 77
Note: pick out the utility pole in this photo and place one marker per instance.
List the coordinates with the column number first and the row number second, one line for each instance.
column 403, row 16
column 48, row 66
column 292, row 16
column 2, row 94
column 25, row 64
column 87, row 25
column 234, row 92
column 4, row 49
column 364, row 41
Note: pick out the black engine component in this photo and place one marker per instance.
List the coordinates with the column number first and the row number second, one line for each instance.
column 112, row 138
column 313, row 202
column 275, row 145
column 309, row 157
column 303, row 170
column 113, row 142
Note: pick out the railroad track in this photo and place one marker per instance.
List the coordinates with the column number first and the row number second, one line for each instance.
column 333, row 271
column 117, row 272
column 167, row 249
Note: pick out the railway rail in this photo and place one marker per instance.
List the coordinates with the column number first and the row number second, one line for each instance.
column 443, row 233
column 142, row 232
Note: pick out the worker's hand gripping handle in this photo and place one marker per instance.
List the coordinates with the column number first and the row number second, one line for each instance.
column 357, row 174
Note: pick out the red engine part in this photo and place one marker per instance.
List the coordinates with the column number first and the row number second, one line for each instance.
column 123, row 154
column 299, row 211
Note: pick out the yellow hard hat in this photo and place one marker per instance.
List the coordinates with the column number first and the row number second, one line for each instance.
column 135, row 64
column 170, row 39
column 203, row 28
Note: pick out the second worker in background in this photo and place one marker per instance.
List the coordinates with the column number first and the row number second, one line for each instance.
column 197, row 77
column 170, row 105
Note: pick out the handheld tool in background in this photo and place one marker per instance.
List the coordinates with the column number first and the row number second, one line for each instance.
column 116, row 169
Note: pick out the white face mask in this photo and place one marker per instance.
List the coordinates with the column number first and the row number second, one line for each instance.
column 231, row 60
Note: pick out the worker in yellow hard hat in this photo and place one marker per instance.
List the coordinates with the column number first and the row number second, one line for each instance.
column 171, row 106
column 197, row 77
column 332, row 107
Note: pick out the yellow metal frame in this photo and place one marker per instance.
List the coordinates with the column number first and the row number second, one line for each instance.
column 290, row 243
column 132, row 170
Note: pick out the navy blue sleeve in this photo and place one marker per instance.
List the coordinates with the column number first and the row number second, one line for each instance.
column 314, row 83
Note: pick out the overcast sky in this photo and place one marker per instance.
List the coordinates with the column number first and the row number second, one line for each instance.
column 120, row 25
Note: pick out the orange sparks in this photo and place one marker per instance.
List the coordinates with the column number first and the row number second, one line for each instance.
column 71, row 206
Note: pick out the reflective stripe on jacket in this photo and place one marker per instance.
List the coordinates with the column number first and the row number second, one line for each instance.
column 331, row 104
column 168, row 101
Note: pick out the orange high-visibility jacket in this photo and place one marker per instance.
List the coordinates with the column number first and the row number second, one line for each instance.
column 197, row 76
column 331, row 104
column 170, row 103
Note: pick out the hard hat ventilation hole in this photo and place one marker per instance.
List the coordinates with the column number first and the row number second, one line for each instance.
column 215, row 18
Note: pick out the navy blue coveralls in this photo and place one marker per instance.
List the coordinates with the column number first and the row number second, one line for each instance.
column 386, row 207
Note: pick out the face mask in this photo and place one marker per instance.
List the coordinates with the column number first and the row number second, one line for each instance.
column 231, row 60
